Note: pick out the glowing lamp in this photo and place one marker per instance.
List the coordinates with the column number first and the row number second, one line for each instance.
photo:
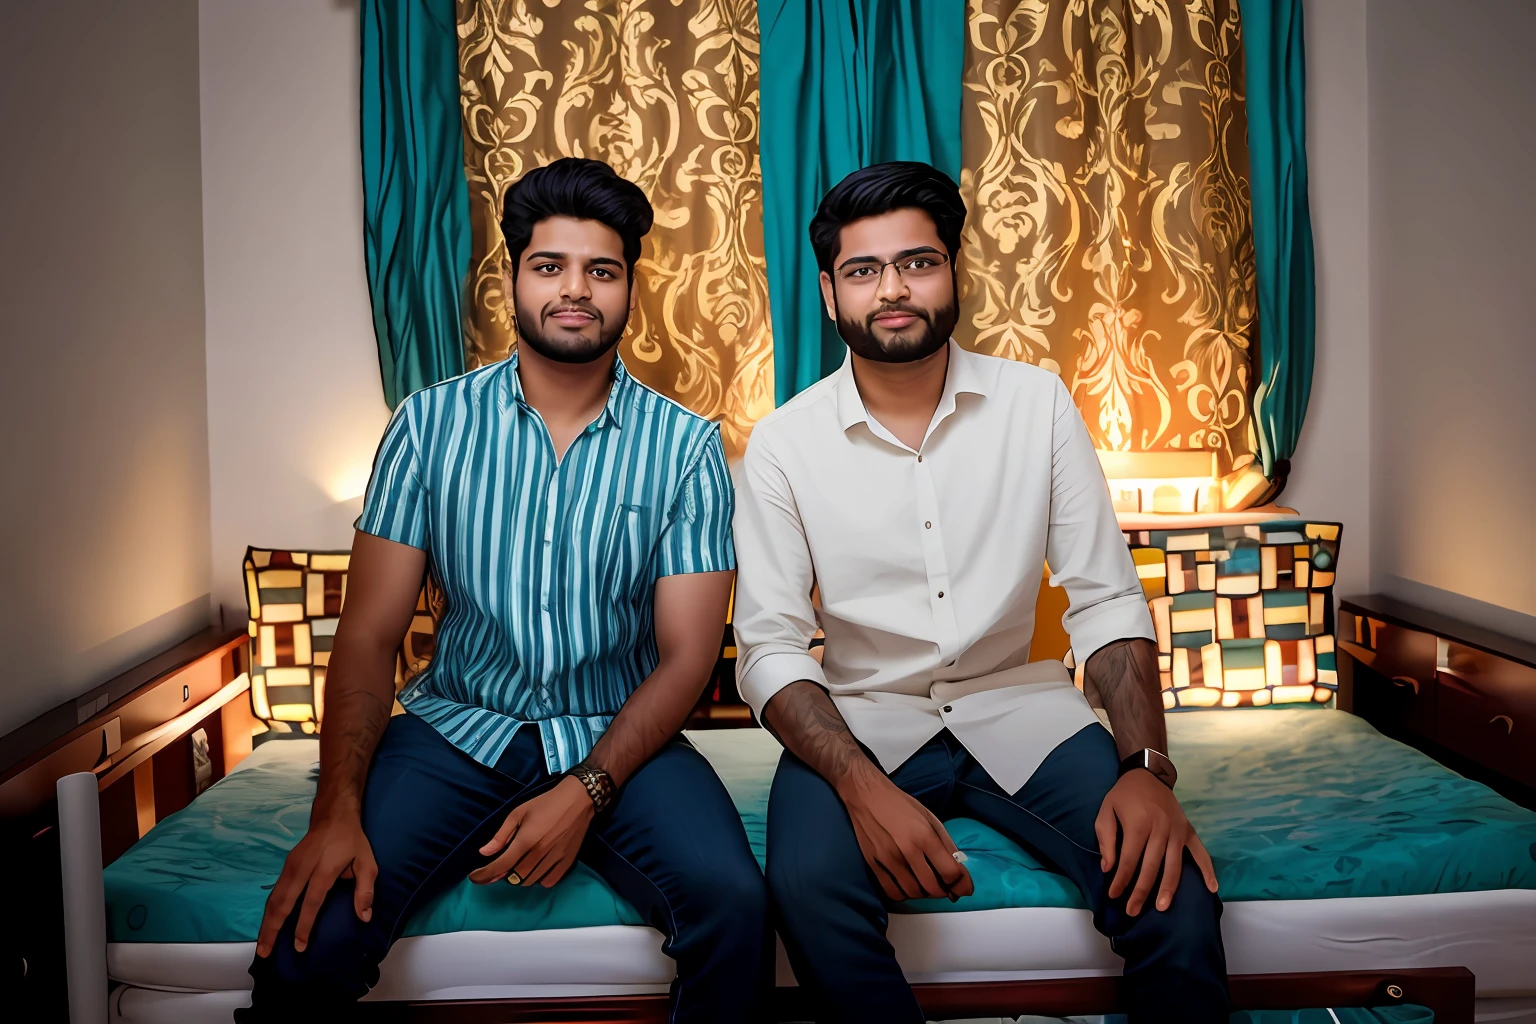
column 1168, row 481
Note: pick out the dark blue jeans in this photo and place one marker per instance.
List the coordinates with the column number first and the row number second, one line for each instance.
column 832, row 916
column 672, row 845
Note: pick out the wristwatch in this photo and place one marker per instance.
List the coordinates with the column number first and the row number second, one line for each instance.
column 598, row 783
column 1153, row 761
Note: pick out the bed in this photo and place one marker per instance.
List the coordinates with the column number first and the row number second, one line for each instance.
column 1338, row 850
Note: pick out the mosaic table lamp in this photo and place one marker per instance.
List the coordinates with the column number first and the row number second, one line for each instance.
column 295, row 600
column 1244, row 614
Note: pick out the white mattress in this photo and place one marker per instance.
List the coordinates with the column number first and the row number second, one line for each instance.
column 1491, row 933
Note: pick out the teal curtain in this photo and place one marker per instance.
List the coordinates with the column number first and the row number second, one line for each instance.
column 1282, row 225
column 845, row 84
column 415, row 199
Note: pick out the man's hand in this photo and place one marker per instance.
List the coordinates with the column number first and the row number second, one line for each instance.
column 333, row 848
column 1153, row 835
column 909, row 852
column 540, row 839
column 905, row 846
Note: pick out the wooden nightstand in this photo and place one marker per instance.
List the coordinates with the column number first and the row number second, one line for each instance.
column 1463, row 694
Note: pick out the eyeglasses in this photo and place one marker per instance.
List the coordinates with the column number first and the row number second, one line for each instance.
column 861, row 272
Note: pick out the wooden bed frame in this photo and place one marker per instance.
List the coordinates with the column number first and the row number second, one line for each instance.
column 134, row 734
column 1448, row 991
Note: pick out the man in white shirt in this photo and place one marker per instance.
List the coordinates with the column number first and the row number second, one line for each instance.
column 905, row 505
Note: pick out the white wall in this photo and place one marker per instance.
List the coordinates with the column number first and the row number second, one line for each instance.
column 295, row 403
column 104, row 458
column 1330, row 472
column 1453, row 220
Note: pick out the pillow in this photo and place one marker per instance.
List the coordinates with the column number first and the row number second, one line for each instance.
column 1244, row 614
column 295, row 600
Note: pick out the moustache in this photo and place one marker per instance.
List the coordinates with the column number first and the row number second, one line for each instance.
column 574, row 307
column 899, row 307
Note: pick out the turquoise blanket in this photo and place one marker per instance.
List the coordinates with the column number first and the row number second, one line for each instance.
column 1293, row 805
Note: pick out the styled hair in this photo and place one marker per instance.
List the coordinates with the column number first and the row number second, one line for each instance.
column 580, row 188
column 881, row 188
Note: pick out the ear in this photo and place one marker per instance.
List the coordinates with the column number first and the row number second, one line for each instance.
column 634, row 291
column 827, row 297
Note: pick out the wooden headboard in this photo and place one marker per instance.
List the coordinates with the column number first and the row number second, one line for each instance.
column 138, row 742
column 134, row 733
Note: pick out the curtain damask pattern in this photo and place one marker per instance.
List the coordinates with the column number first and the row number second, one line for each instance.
column 1106, row 165
column 666, row 91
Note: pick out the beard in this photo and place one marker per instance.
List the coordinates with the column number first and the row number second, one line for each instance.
column 916, row 341
column 567, row 346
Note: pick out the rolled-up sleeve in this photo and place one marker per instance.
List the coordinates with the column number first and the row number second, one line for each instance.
column 1085, row 549
column 774, row 618
column 698, row 539
column 395, row 505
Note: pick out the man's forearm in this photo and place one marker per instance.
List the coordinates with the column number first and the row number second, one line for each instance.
column 652, row 715
column 356, row 714
column 1124, row 674
column 803, row 718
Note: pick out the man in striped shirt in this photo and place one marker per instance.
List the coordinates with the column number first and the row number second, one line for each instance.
column 579, row 526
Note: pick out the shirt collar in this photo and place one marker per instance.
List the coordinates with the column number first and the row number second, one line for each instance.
column 613, row 409
column 968, row 374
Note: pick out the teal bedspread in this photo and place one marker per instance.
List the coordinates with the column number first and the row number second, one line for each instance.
column 1304, row 804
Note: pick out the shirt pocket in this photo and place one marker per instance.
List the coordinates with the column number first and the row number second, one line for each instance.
column 625, row 551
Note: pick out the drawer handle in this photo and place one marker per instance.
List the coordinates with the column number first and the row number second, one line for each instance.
column 1509, row 723
column 1407, row 681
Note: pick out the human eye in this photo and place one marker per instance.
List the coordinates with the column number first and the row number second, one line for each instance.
column 546, row 268
column 919, row 264
column 603, row 274
column 857, row 273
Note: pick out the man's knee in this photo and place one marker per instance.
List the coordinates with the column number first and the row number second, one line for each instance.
column 1188, row 933
column 812, row 880
column 336, row 966
column 732, row 896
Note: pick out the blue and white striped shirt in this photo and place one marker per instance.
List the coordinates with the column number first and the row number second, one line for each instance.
column 548, row 566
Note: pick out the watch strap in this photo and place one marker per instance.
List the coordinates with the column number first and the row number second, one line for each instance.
column 1154, row 761
column 598, row 784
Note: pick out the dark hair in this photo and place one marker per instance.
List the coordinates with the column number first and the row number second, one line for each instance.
column 575, row 187
column 871, row 191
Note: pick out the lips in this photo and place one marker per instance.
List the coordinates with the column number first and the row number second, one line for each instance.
column 895, row 321
column 572, row 317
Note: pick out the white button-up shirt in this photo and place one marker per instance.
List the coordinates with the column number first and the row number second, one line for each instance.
column 927, row 563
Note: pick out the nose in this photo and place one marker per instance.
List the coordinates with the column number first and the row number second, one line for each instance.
column 892, row 287
column 574, row 283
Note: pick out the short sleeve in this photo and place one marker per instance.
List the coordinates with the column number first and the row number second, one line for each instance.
column 698, row 539
column 395, row 506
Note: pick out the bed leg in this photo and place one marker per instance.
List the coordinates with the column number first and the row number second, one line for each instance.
column 85, row 900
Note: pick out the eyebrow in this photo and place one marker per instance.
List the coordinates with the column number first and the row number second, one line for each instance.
column 593, row 262
column 899, row 256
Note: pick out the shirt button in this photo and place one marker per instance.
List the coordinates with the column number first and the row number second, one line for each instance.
column 941, row 593
column 947, row 709
column 919, row 458
column 928, row 525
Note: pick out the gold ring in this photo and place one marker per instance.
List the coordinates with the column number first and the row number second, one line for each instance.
column 513, row 878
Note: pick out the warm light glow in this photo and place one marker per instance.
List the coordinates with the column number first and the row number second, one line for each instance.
column 1168, row 481
column 350, row 483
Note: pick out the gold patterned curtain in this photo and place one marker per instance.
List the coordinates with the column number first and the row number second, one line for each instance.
column 1106, row 165
column 666, row 91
